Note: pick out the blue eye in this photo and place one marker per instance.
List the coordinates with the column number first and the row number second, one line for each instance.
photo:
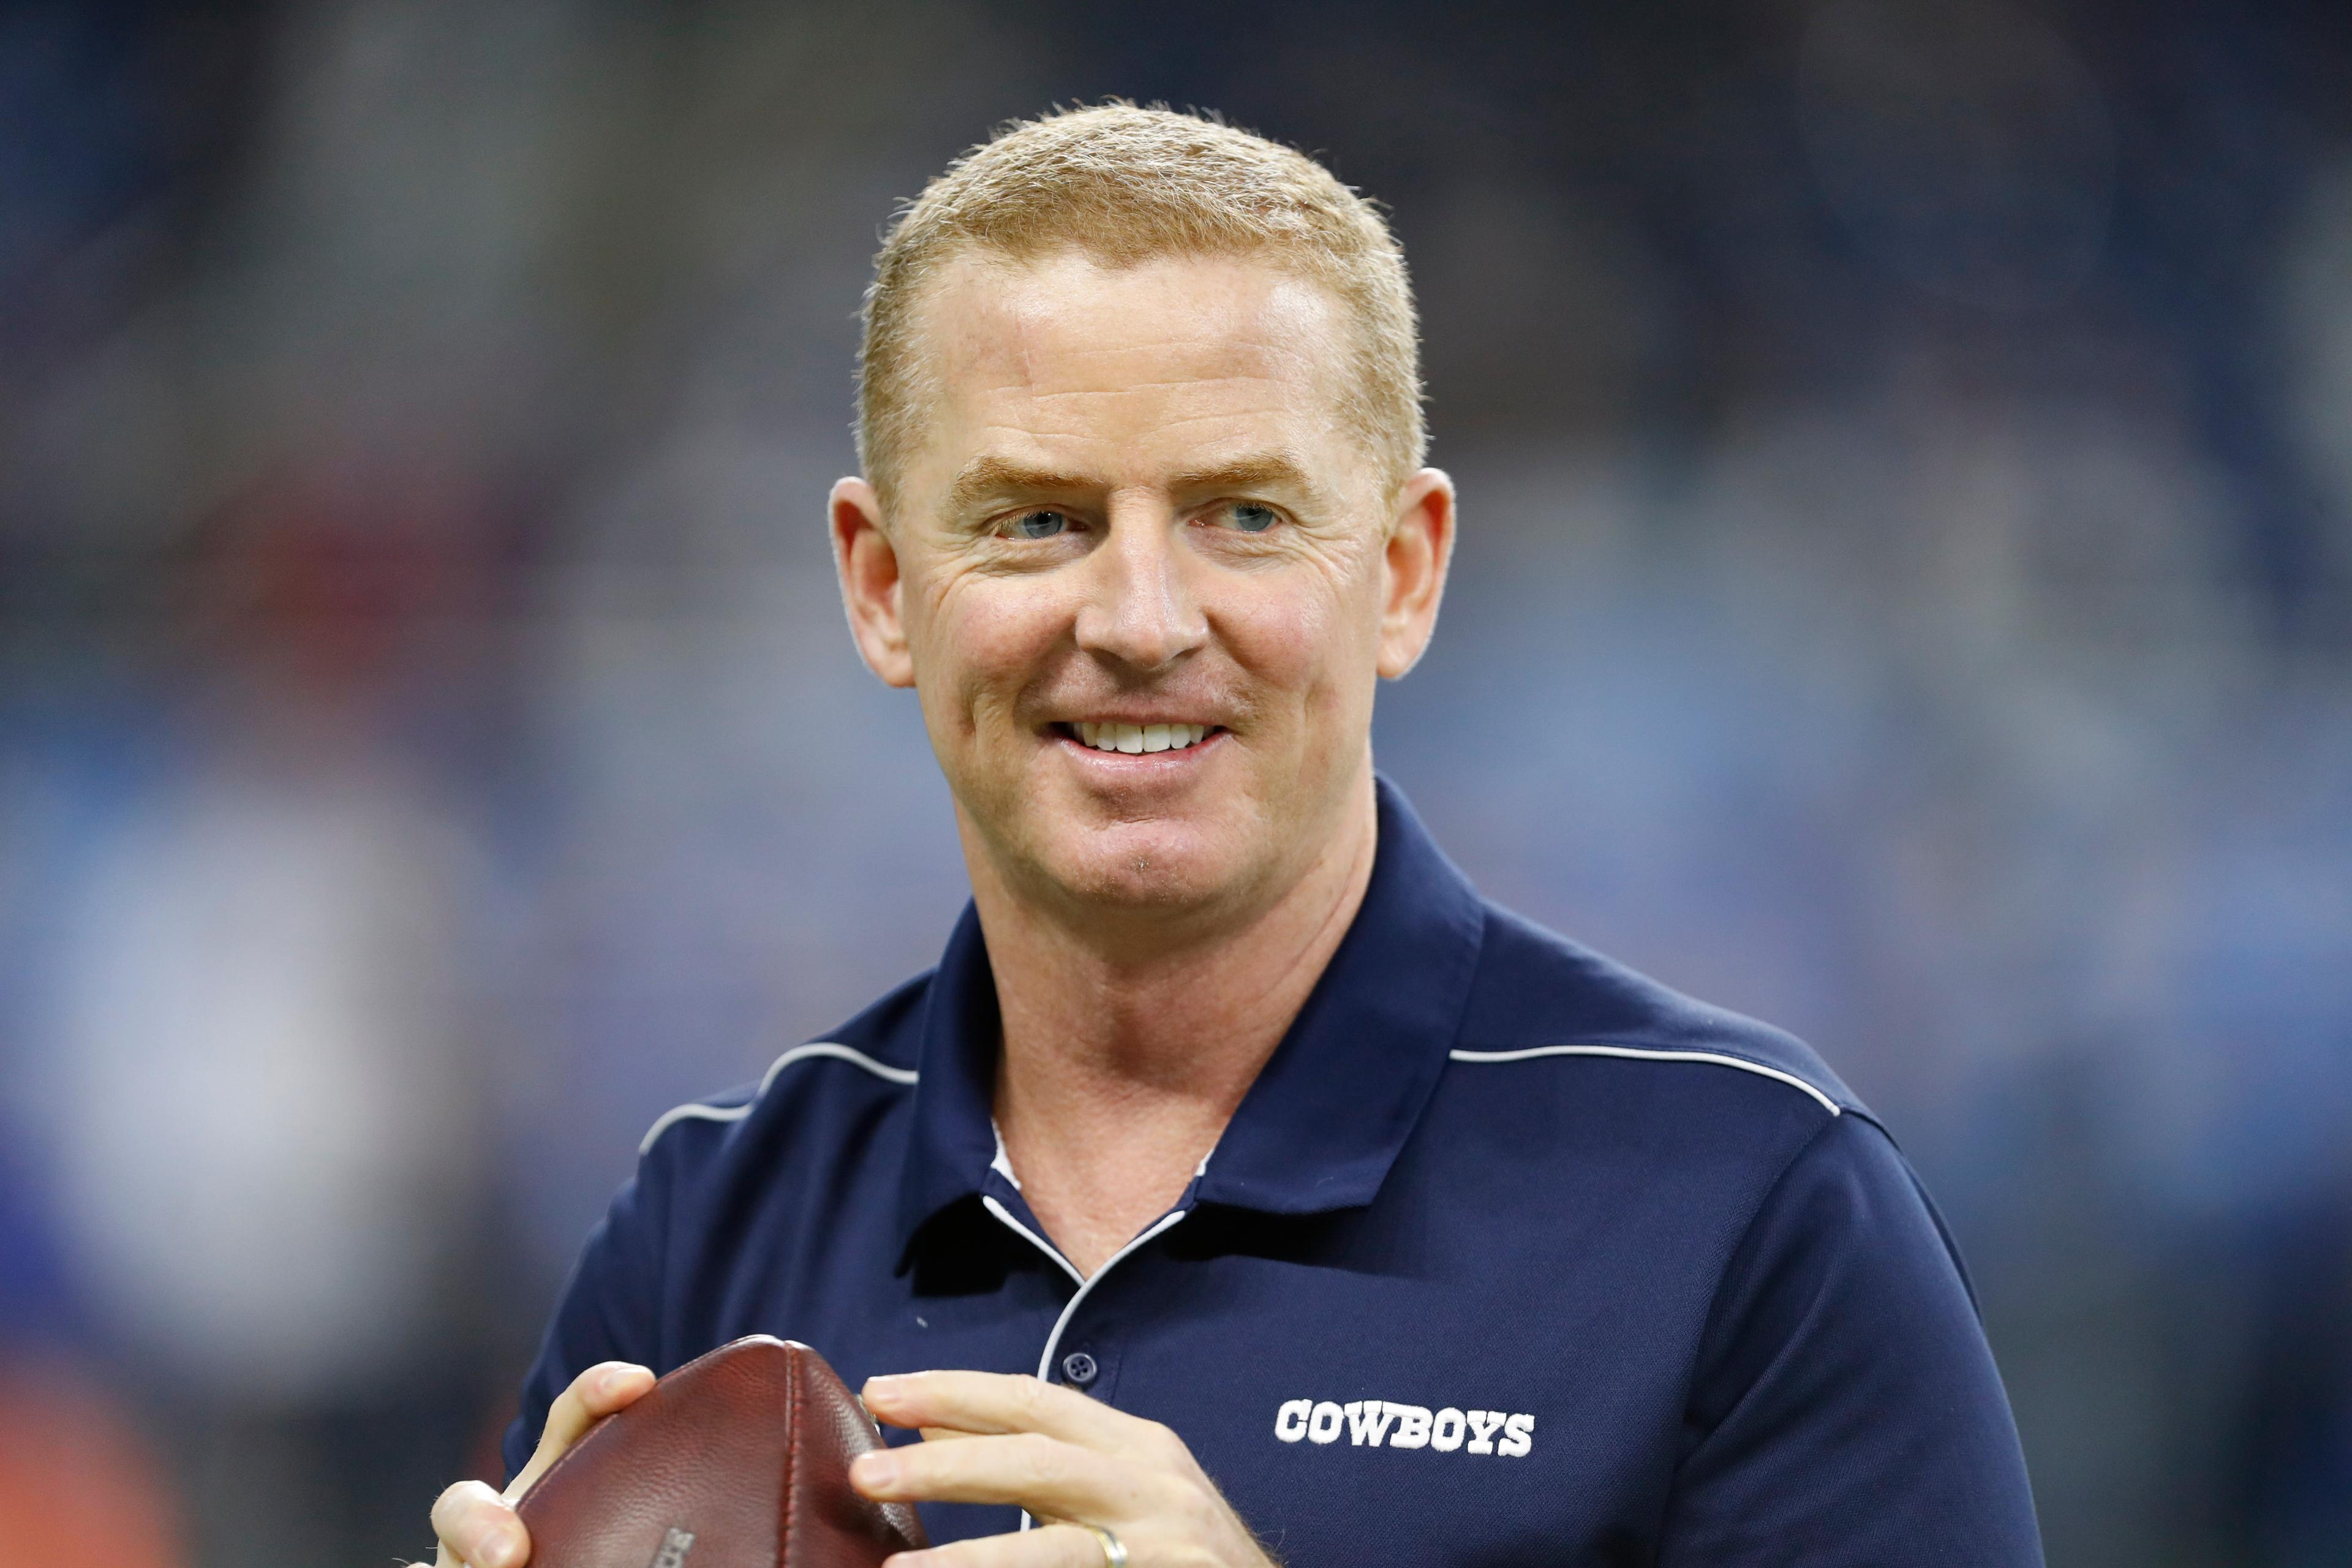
column 1252, row 518
column 1038, row 525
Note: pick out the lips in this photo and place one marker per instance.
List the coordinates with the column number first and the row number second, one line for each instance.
column 1135, row 739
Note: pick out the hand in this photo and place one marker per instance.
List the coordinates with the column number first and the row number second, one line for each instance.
column 1061, row 1456
column 478, row 1527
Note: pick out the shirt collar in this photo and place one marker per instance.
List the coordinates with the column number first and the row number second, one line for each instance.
column 1323, row 1123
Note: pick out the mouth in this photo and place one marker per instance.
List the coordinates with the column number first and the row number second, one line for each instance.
column 1137, row 740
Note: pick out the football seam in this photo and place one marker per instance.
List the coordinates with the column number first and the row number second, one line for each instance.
column 799, row 1365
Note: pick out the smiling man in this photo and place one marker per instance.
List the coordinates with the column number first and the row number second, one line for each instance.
column 1240, row 1186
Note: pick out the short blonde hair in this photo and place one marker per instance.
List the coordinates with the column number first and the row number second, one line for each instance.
column 1126, row 184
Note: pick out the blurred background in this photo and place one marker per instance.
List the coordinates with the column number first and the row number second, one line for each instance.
column 1905, row 592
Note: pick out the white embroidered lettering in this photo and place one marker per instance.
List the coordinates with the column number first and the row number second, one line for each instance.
column 1412, row 1426
column 1445, row 1432
column 1384, row 1423
column 1368, row 1421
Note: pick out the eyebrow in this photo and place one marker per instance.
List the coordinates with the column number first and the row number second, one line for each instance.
column 1263, row 471
column 990, row 479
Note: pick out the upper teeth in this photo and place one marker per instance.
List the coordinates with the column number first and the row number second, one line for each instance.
column 1137, row 738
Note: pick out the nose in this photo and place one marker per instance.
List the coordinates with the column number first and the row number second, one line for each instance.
column 1140, row 608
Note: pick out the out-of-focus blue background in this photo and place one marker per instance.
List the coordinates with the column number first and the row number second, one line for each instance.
column 1906, row 591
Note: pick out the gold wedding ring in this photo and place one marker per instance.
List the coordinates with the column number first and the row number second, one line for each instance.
column 1113, row 1550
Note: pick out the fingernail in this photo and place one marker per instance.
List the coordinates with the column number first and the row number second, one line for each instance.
column 611, row 1381
column 877, row 1471
column 500, row 1551
column 887, row 1383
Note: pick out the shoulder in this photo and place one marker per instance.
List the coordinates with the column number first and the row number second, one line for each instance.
column 1680, row 1121
column 835, row 1083
column 1546, row 1015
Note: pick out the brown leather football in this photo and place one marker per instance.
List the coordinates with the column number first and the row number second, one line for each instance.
column 737, row 1460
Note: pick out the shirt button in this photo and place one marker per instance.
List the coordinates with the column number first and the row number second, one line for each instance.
column 1079, row 1368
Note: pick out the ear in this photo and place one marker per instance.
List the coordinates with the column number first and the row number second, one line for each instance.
column 1413, row 569
column 868, row 566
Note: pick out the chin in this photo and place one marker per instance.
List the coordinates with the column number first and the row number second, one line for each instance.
column 1146, row 866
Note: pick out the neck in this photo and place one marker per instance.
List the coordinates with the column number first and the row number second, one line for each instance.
column 1123, row 1060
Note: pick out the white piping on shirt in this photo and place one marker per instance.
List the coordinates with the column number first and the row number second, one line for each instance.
column 1713, row 1058
column 1039, row 1242
column 1085, row 1282
column 699, row 1113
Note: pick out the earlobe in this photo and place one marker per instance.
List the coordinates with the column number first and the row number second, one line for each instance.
column 1413, row 570
column 866, row 562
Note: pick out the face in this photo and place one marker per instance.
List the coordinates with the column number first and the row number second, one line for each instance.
column 1142, row 577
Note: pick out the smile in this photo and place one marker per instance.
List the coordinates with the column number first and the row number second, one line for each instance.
column 1138, row 738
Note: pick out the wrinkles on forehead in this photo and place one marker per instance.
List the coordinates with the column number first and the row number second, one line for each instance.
column 1196, row 361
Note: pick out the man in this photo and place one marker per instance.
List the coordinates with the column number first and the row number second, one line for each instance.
column 1250, row 1188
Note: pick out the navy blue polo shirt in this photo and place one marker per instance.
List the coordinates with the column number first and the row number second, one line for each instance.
column 1509, row 1256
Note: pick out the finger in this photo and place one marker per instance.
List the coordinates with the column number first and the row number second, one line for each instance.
column 1048, row 1546
column 991, row 1402
column 595, row 1394
column 1044, row 1474
column 478, row 1529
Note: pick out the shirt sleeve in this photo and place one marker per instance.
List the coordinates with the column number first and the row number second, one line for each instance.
column 1846, row 1408
column 609, row 1311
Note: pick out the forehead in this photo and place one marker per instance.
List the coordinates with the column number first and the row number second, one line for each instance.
column 1118, row 371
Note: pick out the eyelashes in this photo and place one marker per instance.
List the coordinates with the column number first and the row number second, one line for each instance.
column 1044, row 522
column 1040, row 523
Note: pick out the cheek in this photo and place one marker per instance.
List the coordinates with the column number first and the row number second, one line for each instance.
column 1316, row 648
column 979, row 643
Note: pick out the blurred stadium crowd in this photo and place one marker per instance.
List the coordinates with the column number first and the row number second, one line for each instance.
column 1905, row 592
